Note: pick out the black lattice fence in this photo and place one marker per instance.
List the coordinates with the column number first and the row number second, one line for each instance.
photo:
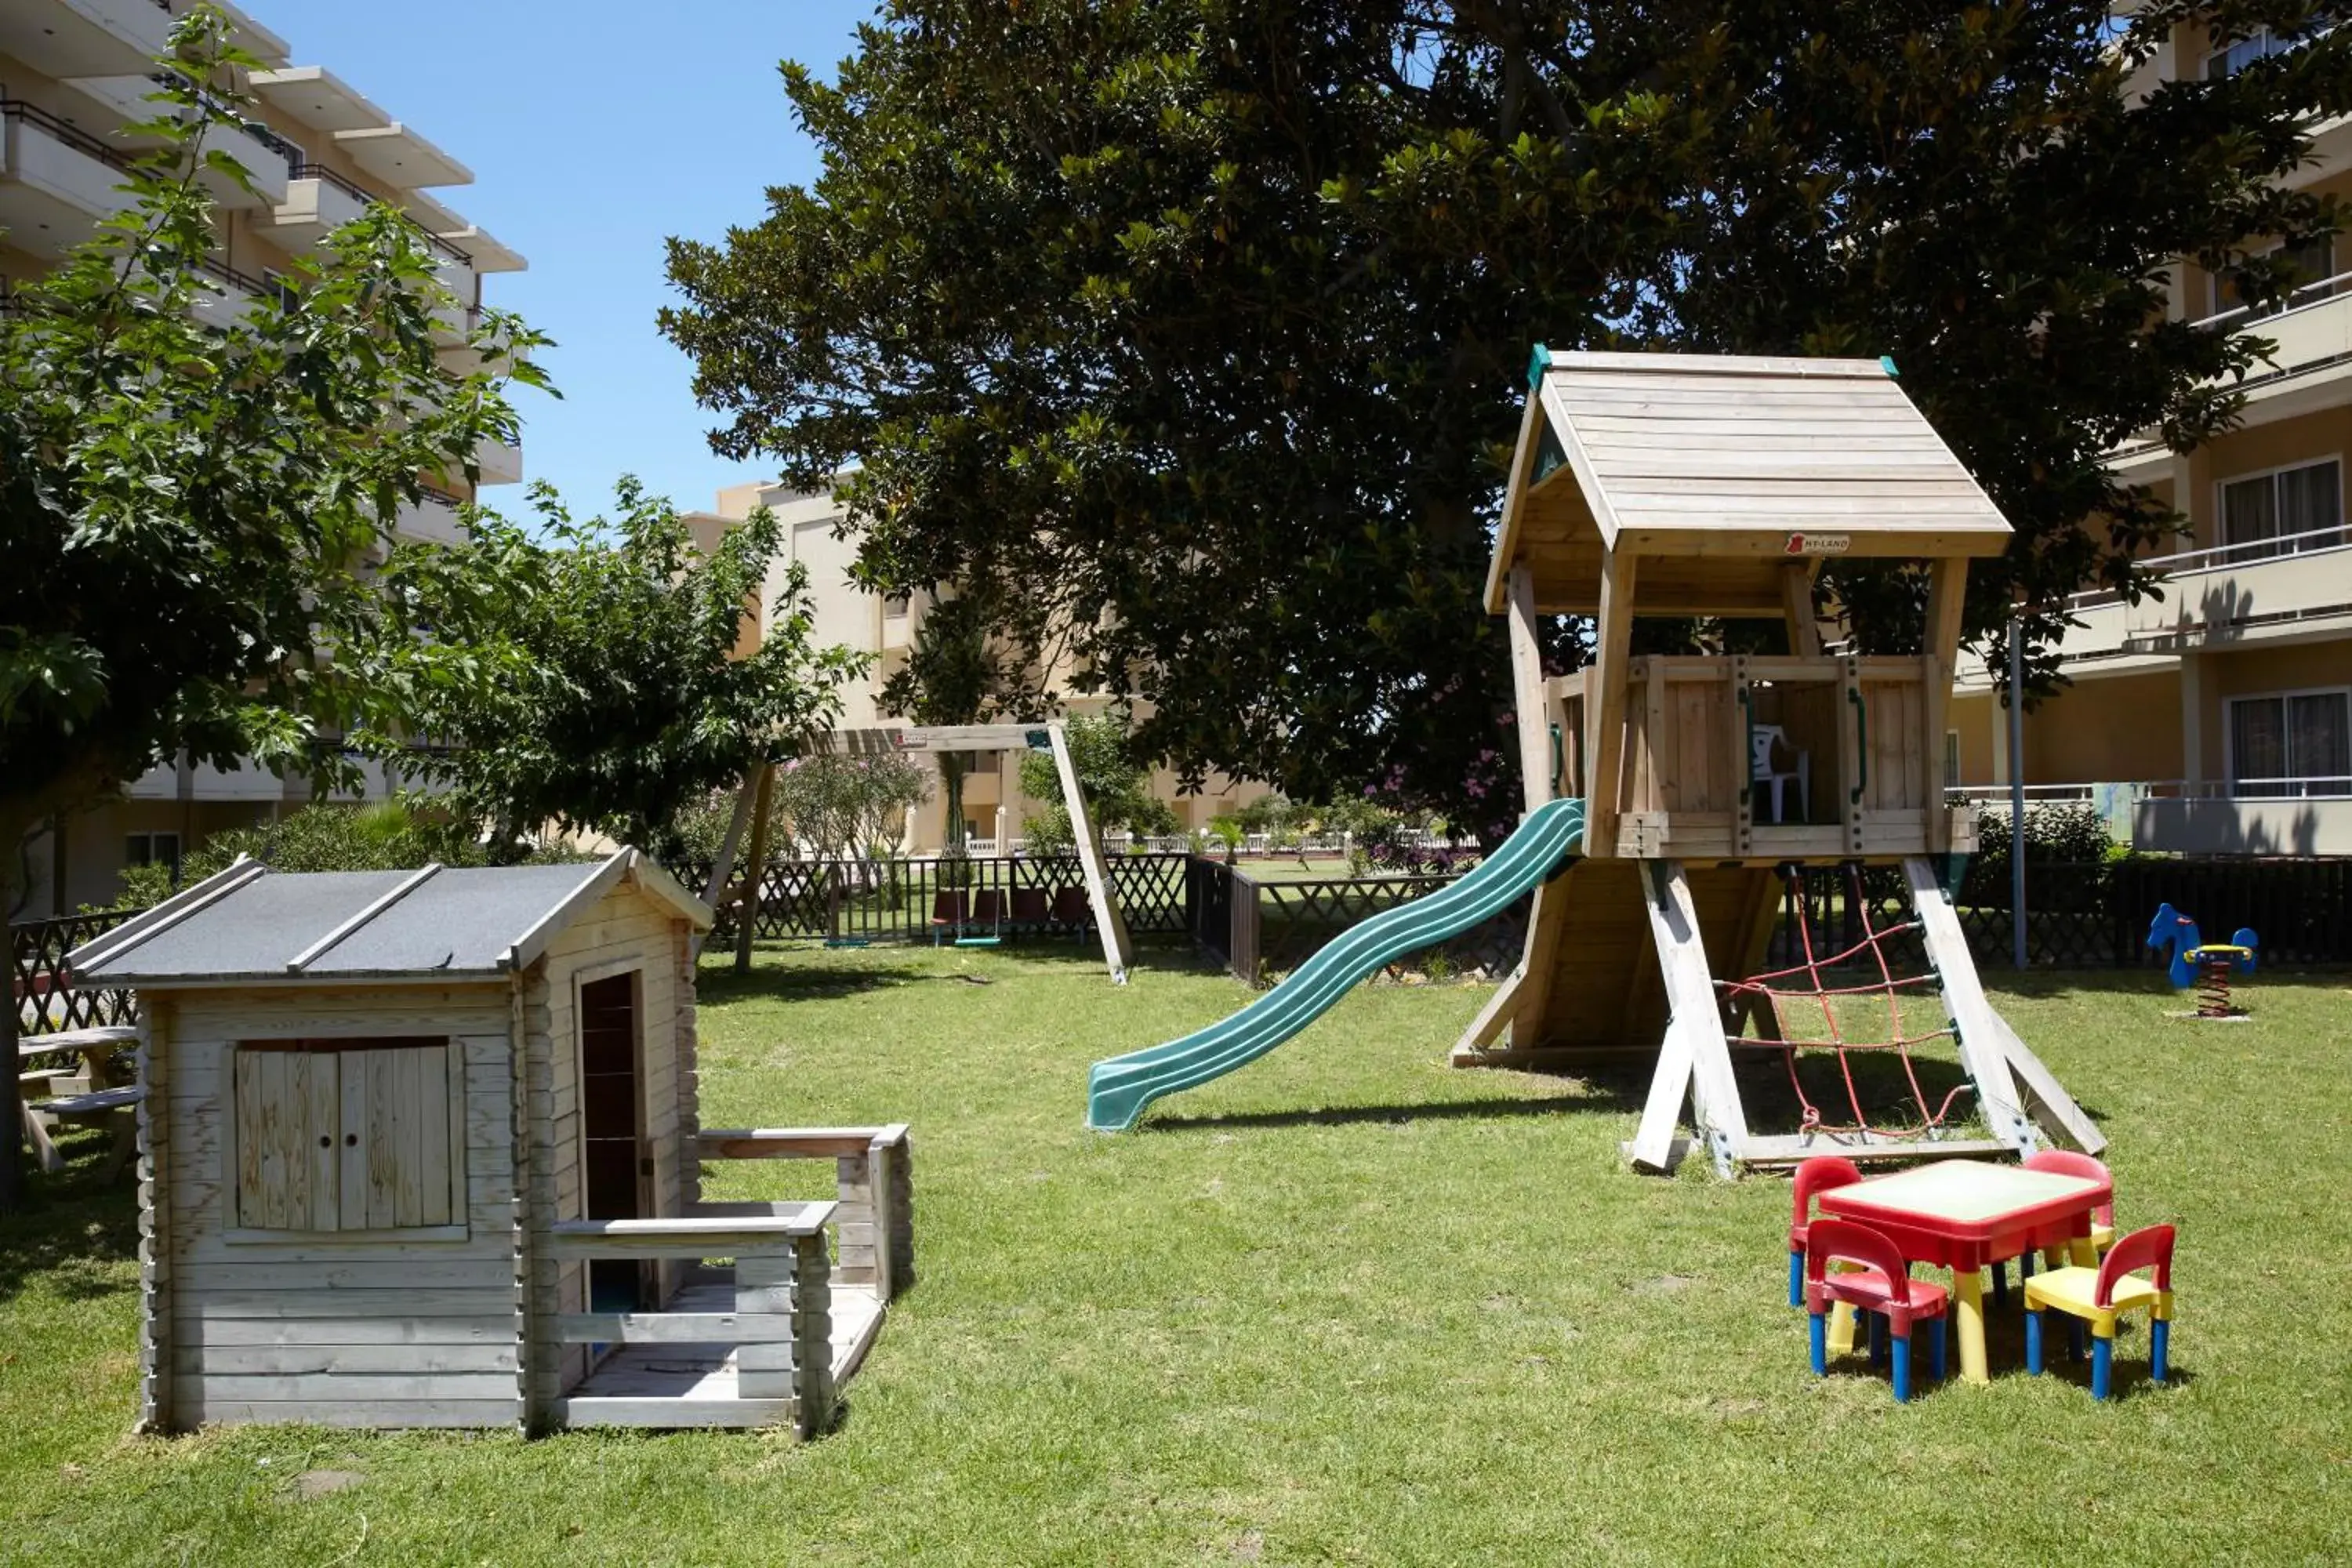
column 1269, row 928
column 897, row 901
column 44, row 1004
column 2092, row 914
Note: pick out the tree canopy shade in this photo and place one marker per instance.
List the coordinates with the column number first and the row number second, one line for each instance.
column 183, row 508
column 1198, row 327
column 617, row 698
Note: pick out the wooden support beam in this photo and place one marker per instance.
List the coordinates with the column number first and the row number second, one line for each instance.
column 1117, row 952
column 1694, row 1056
column 2046, row 1098
column 1546, row 919
column 1797, row 596
column 1527, row 687
column 1948, row 593
column 1604, row 703
column 1977, row 1030
column 1496, row 1016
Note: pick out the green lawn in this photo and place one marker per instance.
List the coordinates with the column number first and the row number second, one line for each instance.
column 1349, row 1305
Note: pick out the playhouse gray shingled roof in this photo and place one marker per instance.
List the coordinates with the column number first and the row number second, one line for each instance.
column 250, row 922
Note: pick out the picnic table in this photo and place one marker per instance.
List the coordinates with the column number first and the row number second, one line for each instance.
column 96, row 1092
column 1966, row 1215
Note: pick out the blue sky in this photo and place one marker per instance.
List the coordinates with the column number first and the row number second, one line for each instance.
column 596, row 130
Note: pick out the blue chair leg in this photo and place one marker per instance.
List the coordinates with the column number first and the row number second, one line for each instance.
column 1877, row 1339
column 1819, row 1332
column 2103, row 1365
column 2034, row 1342
column 1902, row 1368
column 2159, row 1348
column 1796, row 1278
column 1936, row 1351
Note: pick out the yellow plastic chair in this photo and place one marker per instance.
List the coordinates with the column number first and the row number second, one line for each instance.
column 2100, row 1295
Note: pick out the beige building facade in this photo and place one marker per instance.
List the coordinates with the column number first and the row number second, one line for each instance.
column 73, row 74
column 994, row 805
column 2226, row 706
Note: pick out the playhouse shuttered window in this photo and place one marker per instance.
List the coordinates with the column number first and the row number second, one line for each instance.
column 349, row 1135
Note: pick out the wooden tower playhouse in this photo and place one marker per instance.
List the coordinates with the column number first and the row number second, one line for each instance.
column 1679, row 485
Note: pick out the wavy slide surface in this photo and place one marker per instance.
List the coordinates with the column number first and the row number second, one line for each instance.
column 1118, row 1090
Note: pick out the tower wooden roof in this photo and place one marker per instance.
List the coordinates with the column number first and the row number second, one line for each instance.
column 1716, row 469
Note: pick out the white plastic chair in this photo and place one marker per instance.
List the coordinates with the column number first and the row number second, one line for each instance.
column 1761, row 740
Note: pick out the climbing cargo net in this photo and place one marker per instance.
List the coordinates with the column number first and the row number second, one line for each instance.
column 1797, row 993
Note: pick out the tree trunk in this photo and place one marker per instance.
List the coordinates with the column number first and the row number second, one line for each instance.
column 755, row 869
column 12, row 1147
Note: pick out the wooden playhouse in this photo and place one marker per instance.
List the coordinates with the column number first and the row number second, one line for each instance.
column 1674, row 485
column 424, row 1149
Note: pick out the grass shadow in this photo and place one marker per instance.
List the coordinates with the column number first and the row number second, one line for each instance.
column 806, row 983
column 75, row 1225
column 1356, row 1115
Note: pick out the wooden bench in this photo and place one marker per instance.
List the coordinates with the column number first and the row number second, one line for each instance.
column 114, row 1108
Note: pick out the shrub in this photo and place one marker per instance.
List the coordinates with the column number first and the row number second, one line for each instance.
column 396, row 835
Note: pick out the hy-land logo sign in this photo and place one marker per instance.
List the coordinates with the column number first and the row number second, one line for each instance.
column 1818, row 543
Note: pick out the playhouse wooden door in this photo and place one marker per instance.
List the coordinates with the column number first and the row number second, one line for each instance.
column 617, row 1167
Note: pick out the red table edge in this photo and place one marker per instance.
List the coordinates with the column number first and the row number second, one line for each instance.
column 2047, row 1211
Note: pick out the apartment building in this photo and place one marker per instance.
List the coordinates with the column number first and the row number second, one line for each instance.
column 2220, row 717
column 994, row 806
column 73, row 74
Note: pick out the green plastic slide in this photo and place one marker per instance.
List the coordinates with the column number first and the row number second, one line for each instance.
column 1118, row 1089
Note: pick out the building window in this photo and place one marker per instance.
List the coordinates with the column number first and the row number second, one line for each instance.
column 2291, row 744
column 349, row 1134
column 2286, row 512
column 1951, row 759
column 153, row 849
column 2313, row 266
column 2228, row 59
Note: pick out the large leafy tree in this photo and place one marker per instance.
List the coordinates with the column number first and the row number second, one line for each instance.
column 186, row 510
column 1196, row 329
column 622, row 695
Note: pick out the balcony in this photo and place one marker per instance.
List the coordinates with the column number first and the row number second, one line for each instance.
column 58, row 181
column 260, row 152
column 317, row 202
column 84, row 37
column 432, row 521
column 501, row 464
column 2254, row 816
column 2310, row 368
column 230, row 296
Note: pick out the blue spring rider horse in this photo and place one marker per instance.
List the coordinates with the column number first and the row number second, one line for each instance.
column 2194, row 963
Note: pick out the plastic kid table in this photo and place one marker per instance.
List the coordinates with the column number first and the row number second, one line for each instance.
column 1965, row 1216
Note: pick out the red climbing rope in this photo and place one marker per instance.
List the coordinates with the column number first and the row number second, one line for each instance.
column 1873, row 942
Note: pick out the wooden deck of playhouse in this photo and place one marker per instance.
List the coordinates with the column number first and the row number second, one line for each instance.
column 769, row 1338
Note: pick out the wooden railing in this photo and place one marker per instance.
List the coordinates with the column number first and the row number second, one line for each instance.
column 782, row 1326
column 873, row 1173
column 1849, row 736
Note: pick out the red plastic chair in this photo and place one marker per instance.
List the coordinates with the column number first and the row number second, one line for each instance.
column 1818, row 1174
column 2067, row 1162
column 2100, row 1297
column 1882, row 1287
